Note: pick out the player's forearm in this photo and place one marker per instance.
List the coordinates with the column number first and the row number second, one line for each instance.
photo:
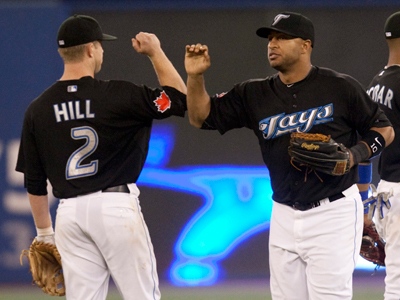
column 166, row 73
column 386, row 132
column 372, row 144
column 40, row 210
column 198, row 100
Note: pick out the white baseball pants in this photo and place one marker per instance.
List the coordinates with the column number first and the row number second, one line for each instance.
column 389, row 229
column 313, row 253
column 101, row 235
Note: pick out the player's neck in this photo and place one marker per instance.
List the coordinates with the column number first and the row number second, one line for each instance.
column 295, row 74
column 393, row 60
column 394, row 53
column 76, row 71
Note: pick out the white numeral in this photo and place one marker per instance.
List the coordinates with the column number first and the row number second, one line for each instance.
column 75, row 168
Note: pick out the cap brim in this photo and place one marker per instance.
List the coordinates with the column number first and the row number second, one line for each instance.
column 264, row 32
column 107, row 37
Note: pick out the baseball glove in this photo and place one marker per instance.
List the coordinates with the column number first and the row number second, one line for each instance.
column 319, row 152
column 372, row 246
column 45, row 267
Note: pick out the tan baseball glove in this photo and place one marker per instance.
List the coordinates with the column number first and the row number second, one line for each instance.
column 45, row 267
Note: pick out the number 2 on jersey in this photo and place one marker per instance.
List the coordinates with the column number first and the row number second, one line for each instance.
column 75, row 168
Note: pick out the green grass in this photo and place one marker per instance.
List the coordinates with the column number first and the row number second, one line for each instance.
column 368, row 288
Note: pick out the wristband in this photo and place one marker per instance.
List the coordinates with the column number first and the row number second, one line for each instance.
column 375, row 142
column 44, row 231
column 365, row 172
column 360, row 153
column 364, row 195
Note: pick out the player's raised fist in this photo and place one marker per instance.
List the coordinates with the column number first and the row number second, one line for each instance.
column 146, row 43
column 197, row 59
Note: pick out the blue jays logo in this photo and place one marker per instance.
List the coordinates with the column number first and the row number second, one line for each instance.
column 279, row 17
column 302, row 121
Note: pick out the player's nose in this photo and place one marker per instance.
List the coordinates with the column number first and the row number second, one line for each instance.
column 272, row 42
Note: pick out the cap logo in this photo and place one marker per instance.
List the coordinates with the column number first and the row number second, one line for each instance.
column 279, row 17
column 388, row 34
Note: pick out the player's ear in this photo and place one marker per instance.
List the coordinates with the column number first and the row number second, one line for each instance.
column 90, row 47
column 307, row 45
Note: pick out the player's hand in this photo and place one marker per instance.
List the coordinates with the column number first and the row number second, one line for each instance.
column 146, row 43
column 197, row 60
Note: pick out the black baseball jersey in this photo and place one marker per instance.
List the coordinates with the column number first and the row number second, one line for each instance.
column 86, row 135
column 324, row 102
column 385, row 90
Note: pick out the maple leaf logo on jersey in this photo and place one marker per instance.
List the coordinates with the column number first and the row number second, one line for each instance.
column 162, row 102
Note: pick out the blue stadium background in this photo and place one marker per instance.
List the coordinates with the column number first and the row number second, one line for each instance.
column 206, row 198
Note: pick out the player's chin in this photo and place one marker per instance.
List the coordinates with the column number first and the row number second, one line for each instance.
column 273, row 63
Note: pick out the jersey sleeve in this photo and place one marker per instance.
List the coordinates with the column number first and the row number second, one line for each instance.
column 141, row 103
column 228, row 111
column 365, row 112
column 145, row 103
column 29, row 161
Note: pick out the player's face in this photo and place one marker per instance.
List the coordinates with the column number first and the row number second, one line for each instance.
column 283, row 51
column 98, row 56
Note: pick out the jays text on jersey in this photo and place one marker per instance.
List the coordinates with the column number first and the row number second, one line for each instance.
column 324, row 102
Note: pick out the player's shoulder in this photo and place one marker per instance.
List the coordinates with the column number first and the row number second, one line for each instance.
column 262, row 80
column 340, row 78
column 389, row 76
column 41, row 99
column 328, row 72
column 88, row 82
column 112, row 83
column 390, row 72
column 257, row 82
column 62, row 90
column 253, row 86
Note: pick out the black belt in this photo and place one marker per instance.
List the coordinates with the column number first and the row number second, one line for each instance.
column 307, row 206
column 123, row 188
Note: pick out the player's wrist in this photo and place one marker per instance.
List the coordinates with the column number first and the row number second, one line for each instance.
column 359, row 153
column 156, row 54
column 195, row 75
column 45, row 231
column 45, row 235
column 371, row 145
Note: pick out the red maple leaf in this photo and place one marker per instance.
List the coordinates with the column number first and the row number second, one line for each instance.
column 162, row 102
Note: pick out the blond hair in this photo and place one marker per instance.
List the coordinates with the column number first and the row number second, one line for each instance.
column 72, row 54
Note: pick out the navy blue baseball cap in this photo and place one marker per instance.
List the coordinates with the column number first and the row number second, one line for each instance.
column 80, row 29
column 392, row 26
column 290, row 23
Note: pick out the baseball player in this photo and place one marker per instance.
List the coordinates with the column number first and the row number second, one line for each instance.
column 385, row 90
column 317, row 219
column 90, row 139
